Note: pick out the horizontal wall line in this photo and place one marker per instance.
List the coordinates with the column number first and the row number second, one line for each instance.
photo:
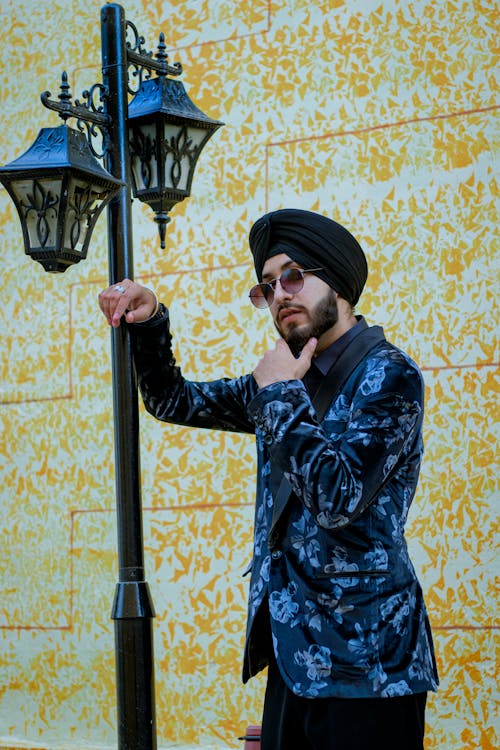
column 383, row 126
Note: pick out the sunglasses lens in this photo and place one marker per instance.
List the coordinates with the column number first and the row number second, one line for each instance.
column 261, row 295
column 292, row 280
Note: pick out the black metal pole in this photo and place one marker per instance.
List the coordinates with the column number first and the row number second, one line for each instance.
column 133, row 610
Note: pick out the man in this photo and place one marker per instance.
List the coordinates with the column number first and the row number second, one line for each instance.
column 335, row 608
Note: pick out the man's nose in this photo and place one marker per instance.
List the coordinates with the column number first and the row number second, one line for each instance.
column 280, row 293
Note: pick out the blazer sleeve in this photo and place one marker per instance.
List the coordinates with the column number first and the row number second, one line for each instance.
column 168, row 396
column 371, row 432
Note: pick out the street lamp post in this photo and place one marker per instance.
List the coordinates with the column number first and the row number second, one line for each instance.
column 150, row 146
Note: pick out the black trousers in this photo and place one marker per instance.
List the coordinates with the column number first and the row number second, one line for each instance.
column 294, row 723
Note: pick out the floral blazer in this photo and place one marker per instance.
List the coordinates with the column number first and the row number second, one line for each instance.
column 346, row 611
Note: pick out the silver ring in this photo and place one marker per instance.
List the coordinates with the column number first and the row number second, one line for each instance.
column 120, row 288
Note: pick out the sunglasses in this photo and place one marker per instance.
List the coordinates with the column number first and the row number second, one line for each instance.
column 291, row 281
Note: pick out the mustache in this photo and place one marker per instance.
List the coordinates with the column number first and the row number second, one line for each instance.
column 289, row 306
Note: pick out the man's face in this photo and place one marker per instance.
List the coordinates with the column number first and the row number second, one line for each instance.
column 310, row 312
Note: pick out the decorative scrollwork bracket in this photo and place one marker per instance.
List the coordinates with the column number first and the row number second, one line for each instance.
column 142, row 61
column 90, row 111
column 89, row 115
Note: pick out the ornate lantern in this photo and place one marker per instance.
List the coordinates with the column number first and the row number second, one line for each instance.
column 59, row 189
column 167, row 135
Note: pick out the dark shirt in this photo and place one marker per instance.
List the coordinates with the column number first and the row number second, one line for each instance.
column 324, row 361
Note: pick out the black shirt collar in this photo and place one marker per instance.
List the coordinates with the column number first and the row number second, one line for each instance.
column 329, row 356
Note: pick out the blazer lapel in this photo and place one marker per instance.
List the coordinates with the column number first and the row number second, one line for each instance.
column 330, row 386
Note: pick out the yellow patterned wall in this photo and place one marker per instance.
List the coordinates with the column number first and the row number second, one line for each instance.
column 383, row 115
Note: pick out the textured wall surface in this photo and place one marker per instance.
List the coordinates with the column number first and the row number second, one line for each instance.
column 383, row 115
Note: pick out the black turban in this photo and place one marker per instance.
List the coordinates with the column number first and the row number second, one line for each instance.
column 313, row 241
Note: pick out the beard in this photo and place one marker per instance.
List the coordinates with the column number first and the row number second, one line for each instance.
column 323, row 317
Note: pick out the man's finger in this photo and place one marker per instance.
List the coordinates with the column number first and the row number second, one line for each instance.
column 120, row 309
column 307, row 352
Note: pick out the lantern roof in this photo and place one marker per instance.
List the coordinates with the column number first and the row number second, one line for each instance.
column 168, row 97
column 56, row 149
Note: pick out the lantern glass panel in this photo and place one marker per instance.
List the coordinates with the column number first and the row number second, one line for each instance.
column 143, row 159
column 83, row 206
column 38, row 203
column 181, row 146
